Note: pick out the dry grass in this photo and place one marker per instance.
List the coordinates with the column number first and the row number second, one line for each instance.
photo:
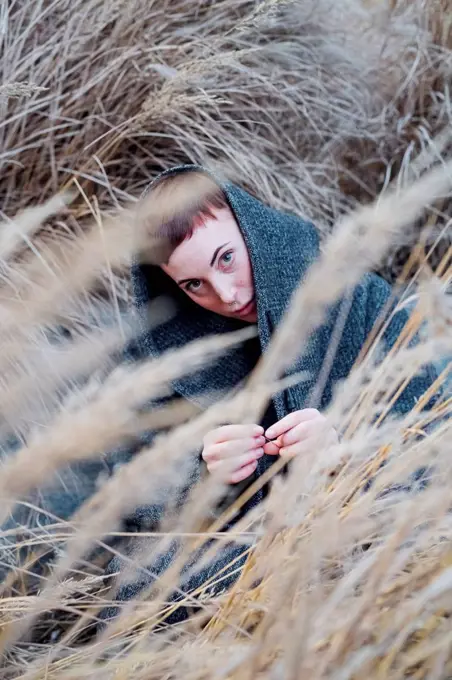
column 315, row 107
column 318, row 88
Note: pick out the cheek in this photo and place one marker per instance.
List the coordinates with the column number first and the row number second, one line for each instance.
column 209, row 302
column 245, row 274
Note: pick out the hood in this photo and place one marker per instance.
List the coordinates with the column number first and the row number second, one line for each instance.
column 281, row 248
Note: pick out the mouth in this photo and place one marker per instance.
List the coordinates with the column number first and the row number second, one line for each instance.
column 246, row 309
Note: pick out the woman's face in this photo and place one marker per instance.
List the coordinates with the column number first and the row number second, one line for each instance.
column 214, row 269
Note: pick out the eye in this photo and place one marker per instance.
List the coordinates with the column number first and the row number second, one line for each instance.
column 227, row 258
column 193, row 286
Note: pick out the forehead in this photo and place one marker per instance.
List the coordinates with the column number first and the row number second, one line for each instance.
column 196, row 252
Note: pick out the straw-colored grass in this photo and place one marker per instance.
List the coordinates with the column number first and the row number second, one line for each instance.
column 333, row 110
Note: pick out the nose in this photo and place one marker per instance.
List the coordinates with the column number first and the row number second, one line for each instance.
column 225, row 290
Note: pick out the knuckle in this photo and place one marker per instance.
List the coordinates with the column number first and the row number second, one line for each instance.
column 313, row 411
column 208, row 454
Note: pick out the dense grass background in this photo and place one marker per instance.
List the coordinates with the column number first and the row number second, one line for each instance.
column 312, row 105
column 315, row 106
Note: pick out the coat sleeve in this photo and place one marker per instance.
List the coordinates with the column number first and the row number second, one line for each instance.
column 377, row 294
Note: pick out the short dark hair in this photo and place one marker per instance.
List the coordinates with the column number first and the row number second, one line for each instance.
column 180, row 226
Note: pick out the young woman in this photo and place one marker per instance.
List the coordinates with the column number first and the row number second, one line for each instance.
column 214, row 271
column 232, row 261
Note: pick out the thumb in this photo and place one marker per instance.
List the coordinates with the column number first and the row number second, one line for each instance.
column 271, row 449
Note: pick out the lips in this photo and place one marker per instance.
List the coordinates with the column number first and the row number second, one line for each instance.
column 247, row 309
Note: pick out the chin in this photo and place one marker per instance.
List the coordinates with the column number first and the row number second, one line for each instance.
column 249, row 318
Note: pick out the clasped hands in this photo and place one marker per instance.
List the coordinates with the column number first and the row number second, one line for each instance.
column 231, row 452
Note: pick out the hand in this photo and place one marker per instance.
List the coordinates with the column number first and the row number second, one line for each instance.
column 232, row 451
column 300, row 432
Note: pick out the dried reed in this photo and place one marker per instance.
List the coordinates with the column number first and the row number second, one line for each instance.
column 314, row 107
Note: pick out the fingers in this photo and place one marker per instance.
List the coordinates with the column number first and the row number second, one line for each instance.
column 229, row 469
column 271, row 449
column 300, row 432
column 231, row 452
column 310, row 439
column 291, row 421
column 232, row 448
column 296, row 434
column 298, row 448
column 229, row 432
column 243, row 473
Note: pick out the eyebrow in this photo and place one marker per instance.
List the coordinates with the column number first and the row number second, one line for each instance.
column 212, row 262
column 215, row 255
